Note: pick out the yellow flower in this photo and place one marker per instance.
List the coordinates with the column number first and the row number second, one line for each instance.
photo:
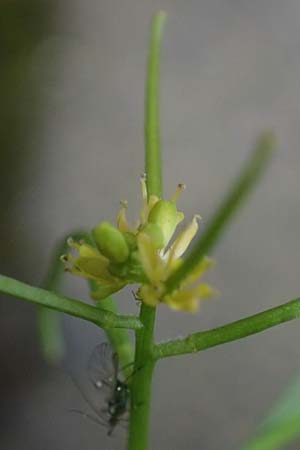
column 142, row 254
column 159, row 265
column 114, row 262
column 91, row 264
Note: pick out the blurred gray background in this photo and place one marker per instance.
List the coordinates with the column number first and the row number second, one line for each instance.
column 72, row 88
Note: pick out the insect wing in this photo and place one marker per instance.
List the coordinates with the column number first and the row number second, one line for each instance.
column 103, row 368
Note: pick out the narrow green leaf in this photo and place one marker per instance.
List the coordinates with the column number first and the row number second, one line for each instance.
column 48, row 321
column 275, row 437
column 234, row 199
column 288, row 405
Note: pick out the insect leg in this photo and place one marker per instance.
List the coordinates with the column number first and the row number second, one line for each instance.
column 88, row 416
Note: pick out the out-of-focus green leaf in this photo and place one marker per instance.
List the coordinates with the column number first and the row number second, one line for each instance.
column 282, row 425
column 234, row 198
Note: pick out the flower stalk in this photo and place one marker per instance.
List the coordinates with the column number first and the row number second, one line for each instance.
column 138, row 436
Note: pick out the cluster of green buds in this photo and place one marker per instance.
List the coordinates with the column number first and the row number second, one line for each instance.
column 145, row 254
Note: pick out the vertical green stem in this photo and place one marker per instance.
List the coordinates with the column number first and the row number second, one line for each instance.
column 152, row 133
column 118, row 337
column 144, row 363
column 142, row 382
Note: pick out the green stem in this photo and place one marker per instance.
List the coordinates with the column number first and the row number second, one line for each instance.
column 41, row 297
column 152, row 132
column 138, row 437
column 233, row 200
column 230, row 332
column 142, row 382
column 118, row 337
column 51, row 337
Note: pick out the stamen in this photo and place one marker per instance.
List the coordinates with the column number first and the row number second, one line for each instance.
column 178, row 191
column 122, row 222
column 144, row 188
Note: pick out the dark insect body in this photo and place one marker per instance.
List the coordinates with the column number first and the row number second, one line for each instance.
column 118, row 404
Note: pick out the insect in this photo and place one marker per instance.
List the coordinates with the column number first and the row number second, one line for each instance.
column 103, row 370
column 111, row 396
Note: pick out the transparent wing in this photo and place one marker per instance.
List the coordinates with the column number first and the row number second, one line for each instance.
column 101, row 394
column 103, row 368
column 97, row 403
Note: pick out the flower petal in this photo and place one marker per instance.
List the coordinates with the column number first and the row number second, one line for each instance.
column 204, row 291
column 183, row 240
column 182, row 301
column 150, row 259
column 103, row 291
column 200, row 269
column 93, row 266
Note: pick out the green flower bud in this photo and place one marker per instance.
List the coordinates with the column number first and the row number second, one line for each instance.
column 111, row 242
column 155, row 232
column 164, row 214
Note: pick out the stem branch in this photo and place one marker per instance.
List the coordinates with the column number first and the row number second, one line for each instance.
column 41, row 297
column 230, row 332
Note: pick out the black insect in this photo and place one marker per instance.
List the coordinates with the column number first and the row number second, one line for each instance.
column 111, row 395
